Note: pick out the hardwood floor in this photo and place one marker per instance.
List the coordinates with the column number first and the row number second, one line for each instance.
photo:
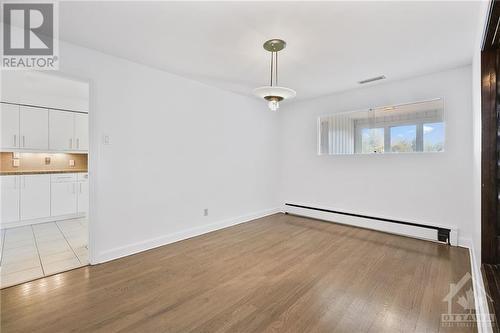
column 281, row 273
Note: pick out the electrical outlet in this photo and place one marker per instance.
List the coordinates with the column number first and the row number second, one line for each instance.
column 205, row 212
column 16, row 162
column 71, row 162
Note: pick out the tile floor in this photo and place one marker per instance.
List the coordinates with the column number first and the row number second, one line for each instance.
column 34, row 251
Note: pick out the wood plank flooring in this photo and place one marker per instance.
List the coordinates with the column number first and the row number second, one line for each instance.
column 281, row 273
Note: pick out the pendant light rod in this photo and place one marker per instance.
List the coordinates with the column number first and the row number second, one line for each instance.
column 276, row 67
column 272, row 66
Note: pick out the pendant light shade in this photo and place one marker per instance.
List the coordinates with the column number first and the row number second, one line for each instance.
column 265, row 91
column 274, row 93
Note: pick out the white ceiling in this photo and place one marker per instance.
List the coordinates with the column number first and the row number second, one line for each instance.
column 331, row 45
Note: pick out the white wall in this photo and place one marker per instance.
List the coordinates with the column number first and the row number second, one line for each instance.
column 42, row 88
column 176, row 147
column 428, row 188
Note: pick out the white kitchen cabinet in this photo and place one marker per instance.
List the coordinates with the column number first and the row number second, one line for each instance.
column 83, row 193
column 68, row 131
column 9, row 118
column 63, row 198
column 35, row 196
column 61, row 130
column 34, row 128
column 10, row 199
column 82, row 131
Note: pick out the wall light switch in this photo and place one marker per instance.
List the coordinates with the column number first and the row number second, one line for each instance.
column 106, row 140
column 47, row 160
column 71, row 162
column 205, row 212
column 16, row 162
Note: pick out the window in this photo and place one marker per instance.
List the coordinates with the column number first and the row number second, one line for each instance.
column 433, row 137
column 372, row 140
column 406, row 128
column 403, row 139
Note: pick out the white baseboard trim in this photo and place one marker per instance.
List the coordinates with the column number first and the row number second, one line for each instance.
column 149, row 244
column 480, row 298
column 368, row 223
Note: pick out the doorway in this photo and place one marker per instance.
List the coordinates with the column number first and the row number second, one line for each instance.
column 44, row 176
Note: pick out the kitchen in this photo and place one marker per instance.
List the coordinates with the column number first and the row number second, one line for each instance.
column 43, row 175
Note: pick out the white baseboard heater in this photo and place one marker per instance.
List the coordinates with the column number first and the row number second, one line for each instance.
column 436, row 233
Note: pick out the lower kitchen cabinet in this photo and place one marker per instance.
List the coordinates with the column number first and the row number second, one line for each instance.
column 43, row 198
column 63, row 198
column 34, row 196
column 83, row 194
column 9, row 186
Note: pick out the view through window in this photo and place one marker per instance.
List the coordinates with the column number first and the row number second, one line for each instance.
column 405, row 128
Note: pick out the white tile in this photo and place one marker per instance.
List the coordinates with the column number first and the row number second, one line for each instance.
column 55, row 248
column 19, row 230
column 21, row 251
column 18, row 235
column 8, row 260
column 61, row 266
column 77, row 242
column 69, row 225
column 11, row 244
column 65, row 255
column 49, row 238
column 20, row 265
column 2, row 238
column 45, row 227
column 83, row 254
column 20, row 277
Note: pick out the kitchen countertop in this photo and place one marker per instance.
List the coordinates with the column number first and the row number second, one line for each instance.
column 39, row 172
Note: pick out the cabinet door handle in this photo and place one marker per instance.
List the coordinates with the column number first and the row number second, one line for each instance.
column 70, row 143
column 77, row 143
column 15, row 140
column 24, row 182
column 80, row 188
column 15, row 183
column 24, row 141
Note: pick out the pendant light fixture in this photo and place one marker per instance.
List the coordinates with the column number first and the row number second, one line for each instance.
column 274, row 93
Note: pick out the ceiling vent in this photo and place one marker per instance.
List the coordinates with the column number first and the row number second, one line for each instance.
column 381, row 77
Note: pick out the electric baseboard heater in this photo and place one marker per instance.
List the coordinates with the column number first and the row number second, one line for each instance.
column 443, row 234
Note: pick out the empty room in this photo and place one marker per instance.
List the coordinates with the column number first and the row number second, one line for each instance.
column 250, row 166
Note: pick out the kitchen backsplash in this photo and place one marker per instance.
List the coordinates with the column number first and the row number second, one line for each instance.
column 42, row 161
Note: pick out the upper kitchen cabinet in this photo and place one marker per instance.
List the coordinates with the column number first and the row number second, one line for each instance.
column 68, row 131
column 9, row 125
column 82, row 131
column 61, row 130
column 33, row 128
